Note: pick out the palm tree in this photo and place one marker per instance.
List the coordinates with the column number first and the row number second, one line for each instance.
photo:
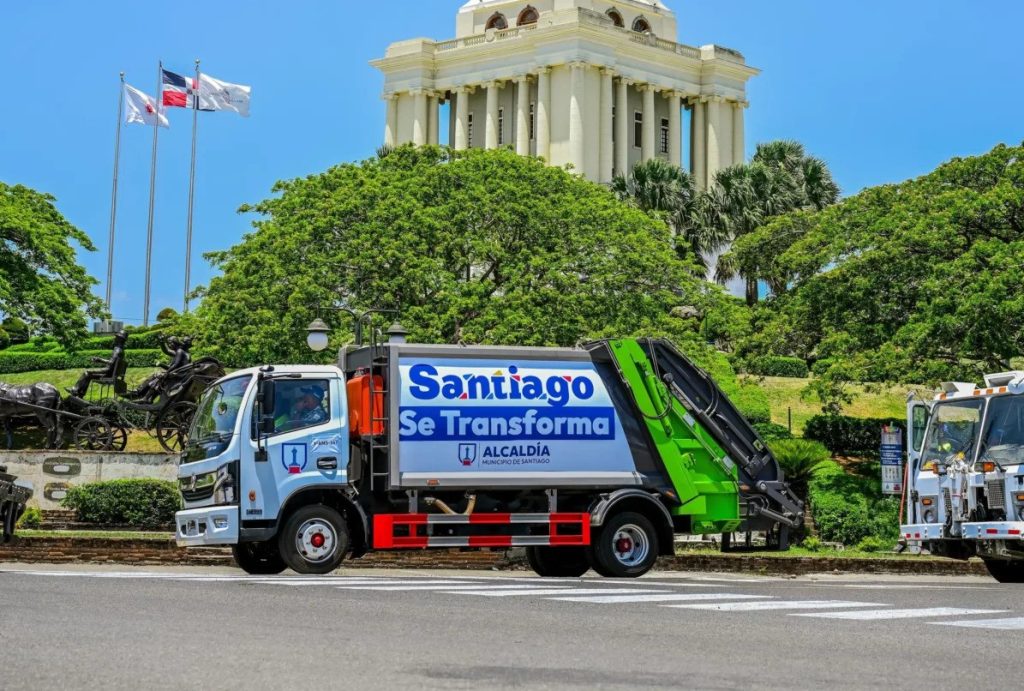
column 779, row 179
column 660, row 188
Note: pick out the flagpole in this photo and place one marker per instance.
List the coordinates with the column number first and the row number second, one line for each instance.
column 191, row 189
column 113, row 194
column 152, row 192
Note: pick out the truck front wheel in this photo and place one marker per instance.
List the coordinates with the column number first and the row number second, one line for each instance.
column 315, row 539
column 626, row 546
column 258, row 558
column 1006, row 570
column 558, row 562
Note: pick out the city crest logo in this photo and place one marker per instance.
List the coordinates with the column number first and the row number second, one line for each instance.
column 467, row 454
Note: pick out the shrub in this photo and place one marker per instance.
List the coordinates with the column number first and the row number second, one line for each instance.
column 812, row 544
column 16, row 329
column 752, row 404
column 769, row 431
column 848, row 508
column 5, row 339
column 167, row 314
column 13, row 362
column 799, row 459
column 32, row 518
column 873, row 543
column 778, row 366
column 849, row 436
column 140, row 503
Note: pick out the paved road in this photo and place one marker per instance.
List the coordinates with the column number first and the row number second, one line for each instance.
column 66, row 627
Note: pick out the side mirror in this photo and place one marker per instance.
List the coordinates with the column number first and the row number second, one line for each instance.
column 267, row 400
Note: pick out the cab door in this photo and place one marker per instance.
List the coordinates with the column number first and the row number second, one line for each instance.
column 308, row 446
column 917, row 425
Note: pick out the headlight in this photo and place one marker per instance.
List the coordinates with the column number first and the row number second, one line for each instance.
column 226, row 480
column 929, row 516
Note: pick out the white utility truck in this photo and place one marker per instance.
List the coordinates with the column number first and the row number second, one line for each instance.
column 965, row 493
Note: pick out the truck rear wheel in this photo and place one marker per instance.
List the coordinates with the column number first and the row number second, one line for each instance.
column 558, row 562
column 626, row 546
column 258, row 558
column 315, row 539
column 1006, row 570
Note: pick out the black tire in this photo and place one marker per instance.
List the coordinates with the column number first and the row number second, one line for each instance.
column 626, row 546
column 558, row 562
column 1006, row 570
column 258, row 558
column 314, row 540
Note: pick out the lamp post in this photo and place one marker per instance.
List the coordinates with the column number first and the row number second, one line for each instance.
column 318, row 332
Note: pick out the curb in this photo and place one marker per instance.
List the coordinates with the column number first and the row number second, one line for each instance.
column 51, row 550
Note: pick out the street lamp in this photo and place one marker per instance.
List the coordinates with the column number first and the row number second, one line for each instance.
column 396, row 333
column 318, row 333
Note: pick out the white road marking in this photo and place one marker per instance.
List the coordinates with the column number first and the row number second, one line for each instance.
column 611, row 599
column 893, row 586
column 557, row 591
column 436, row 588
column 1011, row 624
column 876, row 614
column 762, row 606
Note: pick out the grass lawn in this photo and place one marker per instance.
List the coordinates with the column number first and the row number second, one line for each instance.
column 784, row 394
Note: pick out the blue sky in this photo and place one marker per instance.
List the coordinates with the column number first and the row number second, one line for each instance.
column 883, row 91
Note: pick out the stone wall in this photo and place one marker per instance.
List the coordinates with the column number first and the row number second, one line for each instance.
column 52, row 473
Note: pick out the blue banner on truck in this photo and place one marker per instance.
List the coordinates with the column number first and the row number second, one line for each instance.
column 500, row 415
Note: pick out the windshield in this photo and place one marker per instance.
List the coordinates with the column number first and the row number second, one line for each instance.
column 214, row 422
column 953, row 430
column 1004, row 433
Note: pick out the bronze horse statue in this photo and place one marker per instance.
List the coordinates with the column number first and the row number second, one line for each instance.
column 39, row 402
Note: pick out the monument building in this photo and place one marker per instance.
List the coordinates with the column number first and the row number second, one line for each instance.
column 598, row 84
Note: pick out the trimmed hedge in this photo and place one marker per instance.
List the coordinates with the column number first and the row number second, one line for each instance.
column 769, row 431
column 778, row 366
column 850, row 508
column 849, row 436
column 140, row 503
column 14, row 362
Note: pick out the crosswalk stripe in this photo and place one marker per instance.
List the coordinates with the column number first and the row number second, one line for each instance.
column 1010, row 624
column 876, row 614
column 436, row 588
column 556, row 591
column 654, row 596
column 404, row 583
column 763, row 606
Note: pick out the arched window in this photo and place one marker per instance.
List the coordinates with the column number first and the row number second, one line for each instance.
column 497, row 21
column 528, row 16
column 641, row 26
column 614, row 15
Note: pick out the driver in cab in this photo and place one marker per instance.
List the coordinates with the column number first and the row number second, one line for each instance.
column 307, row 410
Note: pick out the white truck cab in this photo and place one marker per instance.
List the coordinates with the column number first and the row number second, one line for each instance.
column 965, row 473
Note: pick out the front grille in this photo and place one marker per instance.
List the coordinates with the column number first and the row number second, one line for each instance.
column 948, row 503
column 996, row 493
column 197, row 494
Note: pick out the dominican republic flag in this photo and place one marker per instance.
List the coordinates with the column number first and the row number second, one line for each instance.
column 179, row 92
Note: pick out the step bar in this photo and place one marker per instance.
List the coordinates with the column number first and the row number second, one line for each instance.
column 497, row 530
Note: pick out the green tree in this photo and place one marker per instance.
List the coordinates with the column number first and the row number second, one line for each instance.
column 41, row 281
column 16, row 329
column 781, row 178
column 669, row 193
column 475, row 246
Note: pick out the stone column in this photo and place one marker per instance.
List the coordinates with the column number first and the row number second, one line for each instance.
column 461, row 118
column 391, row 127
column 543, row 113
column 419, row 122
column 623, row 118
column 648, row 146
column 491, row 141
column 738, row 135
column 433, row 126
column 607, row 125
column 577, row 142
column 698, row 151
column 523, row 116
column 675, row 126
column 714, row 127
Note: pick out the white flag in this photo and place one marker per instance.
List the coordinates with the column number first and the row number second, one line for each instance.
column 142, row 108
column 217, row 95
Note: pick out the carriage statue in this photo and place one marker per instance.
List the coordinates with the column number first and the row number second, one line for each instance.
column 100, row 409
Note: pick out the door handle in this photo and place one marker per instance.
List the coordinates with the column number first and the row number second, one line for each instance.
column 328, row 463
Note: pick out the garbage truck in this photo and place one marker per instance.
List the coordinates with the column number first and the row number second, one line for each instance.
column 965, row 474
column 14, row 497
column 587, row 457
